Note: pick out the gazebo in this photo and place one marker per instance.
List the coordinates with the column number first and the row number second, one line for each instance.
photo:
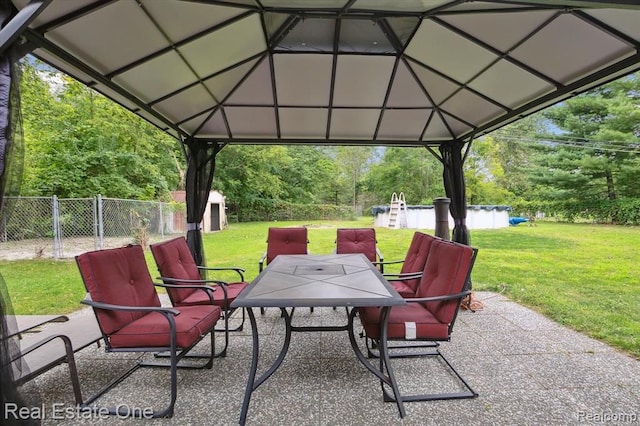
column 431, row 74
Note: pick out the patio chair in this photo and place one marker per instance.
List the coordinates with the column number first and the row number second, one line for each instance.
column 177, row 267
column 292, row 240
column 431, row 315
column 131, row 319
column 359, row 240
column 407, row 280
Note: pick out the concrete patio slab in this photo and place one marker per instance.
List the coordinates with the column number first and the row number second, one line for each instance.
column 527, row 369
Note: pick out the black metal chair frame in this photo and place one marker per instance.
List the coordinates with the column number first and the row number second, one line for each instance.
column 204, row 285
column 176, row 354
column 434, row 351
column 430, row 348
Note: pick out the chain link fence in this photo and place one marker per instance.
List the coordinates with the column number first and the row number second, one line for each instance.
column 48, row 227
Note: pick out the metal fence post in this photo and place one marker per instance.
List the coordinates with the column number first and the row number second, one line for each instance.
column 161, row 220
column 57, row 238
column 100, row 222
column 94, row 209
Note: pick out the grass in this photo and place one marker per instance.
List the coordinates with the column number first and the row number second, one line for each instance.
column 582, row 276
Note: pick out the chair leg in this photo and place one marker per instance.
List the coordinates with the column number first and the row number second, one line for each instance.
column 466, row 393
column 174, row 364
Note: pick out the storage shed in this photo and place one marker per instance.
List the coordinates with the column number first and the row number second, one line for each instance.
column 215, row 216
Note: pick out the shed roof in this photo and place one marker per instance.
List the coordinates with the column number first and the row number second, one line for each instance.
column 406, row 73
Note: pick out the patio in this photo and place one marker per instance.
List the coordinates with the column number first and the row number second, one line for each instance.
column 526, row 368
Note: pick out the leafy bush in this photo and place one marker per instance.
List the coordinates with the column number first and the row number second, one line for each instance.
column 270, row 210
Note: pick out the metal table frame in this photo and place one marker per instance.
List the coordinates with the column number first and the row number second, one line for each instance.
column 286, row 282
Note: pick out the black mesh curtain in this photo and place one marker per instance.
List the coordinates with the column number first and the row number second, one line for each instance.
column 11, row 161
column 201, row 166
column 451, row 154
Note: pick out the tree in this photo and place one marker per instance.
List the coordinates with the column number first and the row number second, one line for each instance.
column 595, row 158
column 353, row 162
column 79, row 143
column 413, row 171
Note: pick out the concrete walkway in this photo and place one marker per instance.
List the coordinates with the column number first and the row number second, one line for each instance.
column 527, row 370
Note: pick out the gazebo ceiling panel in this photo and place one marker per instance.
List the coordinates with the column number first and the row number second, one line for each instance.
column 207, row 124
column 509, row 85
column 256, row 89
column 136, row 36
column 362, row 80
column 115, row 96
column 622, row 20
column 437, row 129
column 448, row 52
column 354, row 123
column 303, row 80
column 569, row 48
column 406, row 91
column 222, row 84
column 252, row 122
column 185, row 104
column 412, row 72
column 502, row 31
column 403, row 124
column 225, row 47
column 149, row 85
column 303, row 122
column 309, row 35
column 201, row 17
column 50, row 14
column 456, row 126
column 475, row 109
column 297, row 4
column 360, row 36
column 437, row 86
column 395, row 6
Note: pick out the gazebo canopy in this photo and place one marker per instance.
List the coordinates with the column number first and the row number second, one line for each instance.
column 381, row 72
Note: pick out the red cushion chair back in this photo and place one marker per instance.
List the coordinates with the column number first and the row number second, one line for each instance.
column 357, row 240
column 446, row 271
column 286, row 241
column 117, row 276
column 416, row 257
column 174, row 260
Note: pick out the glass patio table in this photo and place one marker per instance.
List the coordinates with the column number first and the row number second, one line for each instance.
column 332, row 280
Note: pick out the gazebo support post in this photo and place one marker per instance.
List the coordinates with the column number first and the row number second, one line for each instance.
column 201, row 164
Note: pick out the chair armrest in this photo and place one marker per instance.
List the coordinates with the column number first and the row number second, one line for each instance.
column 438, row 298
column 65, row 339
column 196, row 283
column 380, row 257
column 239, row 270
column 405, row 276
column 206, row 288
column 111, row 307
column 391, row 262
column 261, row 261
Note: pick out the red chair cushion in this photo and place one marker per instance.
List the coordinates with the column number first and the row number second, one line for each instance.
column 357, row 240
column 174, row 260
column 427, row 326
column 152, row 330
column 120, row 277
column 445, row 272
column 414, row 261
column 286, row 241
column 403, row 289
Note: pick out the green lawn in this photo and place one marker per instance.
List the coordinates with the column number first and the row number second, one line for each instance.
column 582, row 276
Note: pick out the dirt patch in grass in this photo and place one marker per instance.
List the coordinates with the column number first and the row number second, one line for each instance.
column 43, row 248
